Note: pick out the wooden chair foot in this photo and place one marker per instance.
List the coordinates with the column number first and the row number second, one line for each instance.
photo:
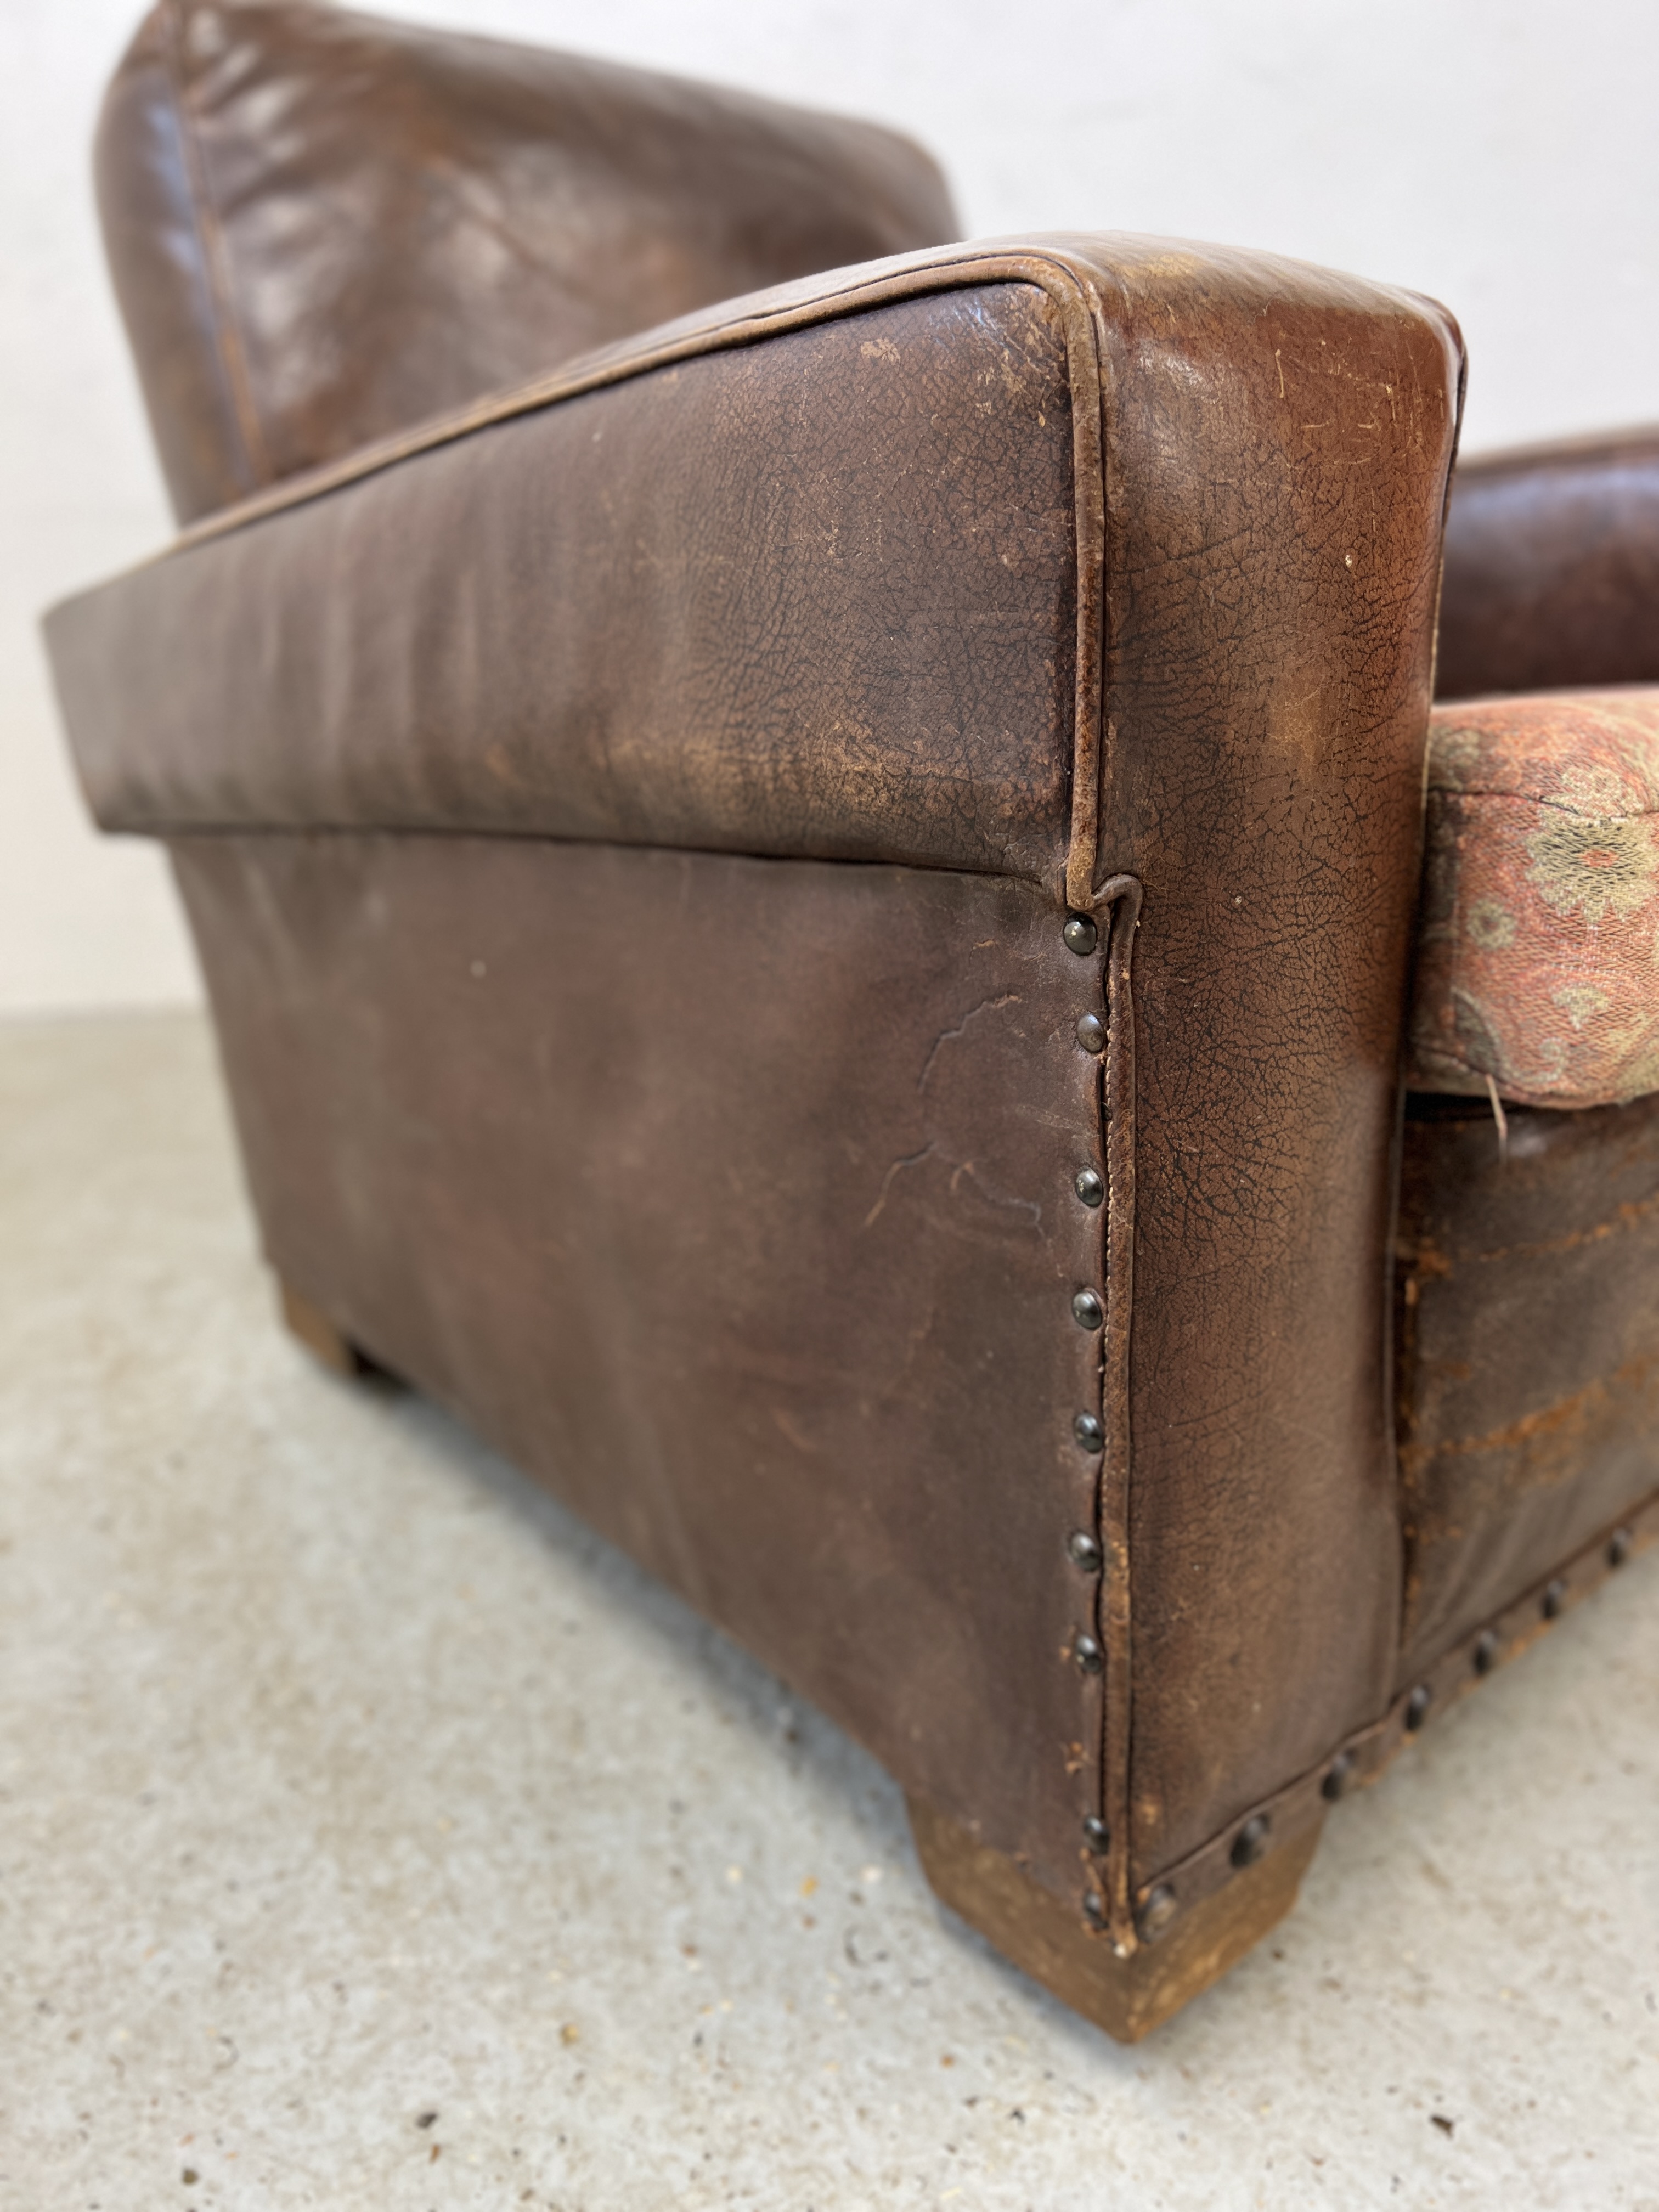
column 319, row 1336
column 1127, row 1996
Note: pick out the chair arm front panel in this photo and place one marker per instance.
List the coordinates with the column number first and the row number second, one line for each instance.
column 1277, row 441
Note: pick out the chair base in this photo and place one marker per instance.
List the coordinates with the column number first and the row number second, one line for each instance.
column 1127, row 1996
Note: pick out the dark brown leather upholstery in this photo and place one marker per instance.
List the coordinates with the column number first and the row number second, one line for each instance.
column 630, row 823
column 323, row 225
column 1552, row 567
column 1252, row 568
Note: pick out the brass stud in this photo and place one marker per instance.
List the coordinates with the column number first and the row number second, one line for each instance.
column 1485, row 1652
column 1417, row 1707
column 1090, row 1432
column 1087, row 1311
column 1554, row 1599
column 1618, row 1547
column 1339, row 1777
column 1085, row 1550
column 1089, row 1186
column 1087, row 1653
column 1250, row 1844
column 1091, row 1032
column 1094, row 1908
column 1080, row 934
column 1156, row 1913
column 1096, row 1835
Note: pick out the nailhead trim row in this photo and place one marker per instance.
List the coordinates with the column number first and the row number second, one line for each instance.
column 1364, row 1755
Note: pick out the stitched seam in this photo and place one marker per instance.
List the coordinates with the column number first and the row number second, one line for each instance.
column 209, row 236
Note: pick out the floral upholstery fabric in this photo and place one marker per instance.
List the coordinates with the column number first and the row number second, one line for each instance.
column 1538, row 938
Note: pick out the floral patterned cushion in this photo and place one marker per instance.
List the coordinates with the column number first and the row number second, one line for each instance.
column 1538, row 939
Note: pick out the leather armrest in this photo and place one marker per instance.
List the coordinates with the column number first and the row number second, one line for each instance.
column 793, row 577
column 1551, row 578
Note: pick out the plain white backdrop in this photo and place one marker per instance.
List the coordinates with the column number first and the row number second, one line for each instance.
column 1502, row 155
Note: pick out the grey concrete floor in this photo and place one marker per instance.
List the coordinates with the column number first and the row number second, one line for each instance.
column 371, row 1835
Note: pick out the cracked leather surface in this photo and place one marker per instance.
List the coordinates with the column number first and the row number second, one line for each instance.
column 324, row 225
column 815, row 596
column 1528, row 1338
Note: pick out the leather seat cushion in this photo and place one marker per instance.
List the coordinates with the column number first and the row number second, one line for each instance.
column 1538, row 946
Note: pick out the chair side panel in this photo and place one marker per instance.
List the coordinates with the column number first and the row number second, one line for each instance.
column 733, row 1200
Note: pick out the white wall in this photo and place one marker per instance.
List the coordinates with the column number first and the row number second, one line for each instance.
column 1501, row 154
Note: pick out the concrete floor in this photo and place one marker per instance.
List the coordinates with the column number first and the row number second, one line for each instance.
column 373, row 1836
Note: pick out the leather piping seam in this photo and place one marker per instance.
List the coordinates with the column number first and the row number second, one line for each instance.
column 1049, row 271
column 1362, row 1757
column 209, row 238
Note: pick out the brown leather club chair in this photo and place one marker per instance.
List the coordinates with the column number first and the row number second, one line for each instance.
column 809, row 903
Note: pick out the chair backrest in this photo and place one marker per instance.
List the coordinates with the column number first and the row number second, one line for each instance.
column 324, row 226
column 1552, row 575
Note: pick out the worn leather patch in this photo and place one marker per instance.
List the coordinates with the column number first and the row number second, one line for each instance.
column 734, row 1199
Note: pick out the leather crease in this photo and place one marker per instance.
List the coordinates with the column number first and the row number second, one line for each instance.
column 227, row 343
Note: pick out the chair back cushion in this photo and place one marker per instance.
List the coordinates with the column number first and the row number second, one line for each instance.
column 1552, row 567
column 324, row 225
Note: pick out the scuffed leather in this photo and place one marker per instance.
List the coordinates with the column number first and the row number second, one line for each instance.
column 1527, row 1372
column 325, row 225
column 1552, row 567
